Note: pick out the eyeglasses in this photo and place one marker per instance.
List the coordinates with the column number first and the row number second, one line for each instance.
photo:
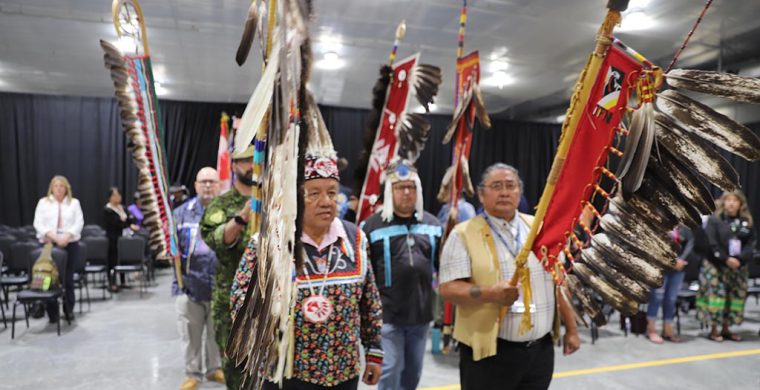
column 405, row 187
column 315, row 196
column 207, row 182
column 501, row 185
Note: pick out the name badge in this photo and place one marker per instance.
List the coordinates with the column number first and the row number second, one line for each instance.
column 734, row 247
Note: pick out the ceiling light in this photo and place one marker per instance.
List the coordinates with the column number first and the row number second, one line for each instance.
column 637, row 20
column 159, row 73
column 498, row 66
column 331, row 42
column 331, row 61
column 498, row 53
column 560, row 118
column 126, row 44
column 499, row 80
column 638, row 4
column 160, row 90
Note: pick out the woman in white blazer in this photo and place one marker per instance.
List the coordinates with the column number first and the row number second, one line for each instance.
column 58, row 219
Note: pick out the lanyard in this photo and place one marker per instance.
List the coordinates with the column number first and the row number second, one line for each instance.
column 324, row 278
column 503, row 240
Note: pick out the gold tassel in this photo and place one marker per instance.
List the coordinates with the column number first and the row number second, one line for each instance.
column 525, row 323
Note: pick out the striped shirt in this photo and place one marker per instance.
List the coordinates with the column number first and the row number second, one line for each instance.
column 456, row 264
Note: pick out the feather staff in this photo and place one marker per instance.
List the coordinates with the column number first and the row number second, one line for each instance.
column 599, row 102
column 394, row 132
column 261, row 335
column 133, row 81
column 468, row 106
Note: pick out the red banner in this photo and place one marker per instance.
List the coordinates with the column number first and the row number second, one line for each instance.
column 588, row 151
column 223, row 165
column 385, row 145
column 468, row 73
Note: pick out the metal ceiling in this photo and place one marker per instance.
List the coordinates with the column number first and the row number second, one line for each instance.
column 51, row 47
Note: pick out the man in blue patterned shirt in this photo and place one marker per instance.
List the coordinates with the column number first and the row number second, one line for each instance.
column 198, row 266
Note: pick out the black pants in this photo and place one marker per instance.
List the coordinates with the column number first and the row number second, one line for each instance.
column 113, row 260
column 515, row 366
column 67, row 277
column 295, row 384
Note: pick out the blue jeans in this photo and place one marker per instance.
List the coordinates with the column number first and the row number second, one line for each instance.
column 403, row 352
column 665, row 296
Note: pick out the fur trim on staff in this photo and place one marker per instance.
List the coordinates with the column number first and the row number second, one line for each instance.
column 472, row 100
column 373, row 122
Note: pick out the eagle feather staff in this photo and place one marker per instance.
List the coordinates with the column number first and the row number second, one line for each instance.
column 261, row 335
column 668, row 150
column 394, row 132
column 141, row 119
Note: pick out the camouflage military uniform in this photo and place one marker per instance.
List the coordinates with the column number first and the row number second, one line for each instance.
column 222, row 209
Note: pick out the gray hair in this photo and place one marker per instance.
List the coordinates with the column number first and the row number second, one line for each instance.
column 497, row 167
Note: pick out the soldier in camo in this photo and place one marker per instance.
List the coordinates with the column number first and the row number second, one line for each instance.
column 223, row 229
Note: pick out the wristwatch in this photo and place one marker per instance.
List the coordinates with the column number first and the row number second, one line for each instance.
column 240, row 221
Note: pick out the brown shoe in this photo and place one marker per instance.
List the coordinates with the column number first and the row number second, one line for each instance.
column 671, row 337
column 190, row 384
column 216, row 376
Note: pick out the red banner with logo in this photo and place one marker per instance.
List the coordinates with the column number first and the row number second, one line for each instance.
column 588, row 151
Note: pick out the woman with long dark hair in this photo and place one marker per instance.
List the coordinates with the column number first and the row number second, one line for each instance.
column 723, row 279
column 117, row 222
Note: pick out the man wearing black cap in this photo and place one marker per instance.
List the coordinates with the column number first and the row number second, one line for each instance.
column 223, row 229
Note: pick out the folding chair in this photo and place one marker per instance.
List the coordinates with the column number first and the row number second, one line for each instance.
column 80, row 275
column 19, row 266
column 96, row 260
column 131, row 258
column 28, row 296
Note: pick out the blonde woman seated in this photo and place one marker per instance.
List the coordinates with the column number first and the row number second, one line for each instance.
column 58, row 220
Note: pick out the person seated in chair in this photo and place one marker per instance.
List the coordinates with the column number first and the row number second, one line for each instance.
column 58, row 220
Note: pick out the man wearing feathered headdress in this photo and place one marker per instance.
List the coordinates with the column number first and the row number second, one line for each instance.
column 404, row 239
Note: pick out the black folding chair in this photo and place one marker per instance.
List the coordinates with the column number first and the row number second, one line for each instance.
column 19, row 266
column 753, row 289
column 6, row 240
column 93, row 230
column 2, row 307
column 29, row 296
column 96, row 260
column 80, row 275
column 131, row 258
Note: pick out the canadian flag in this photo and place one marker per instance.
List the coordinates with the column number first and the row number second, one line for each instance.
column 223, row 165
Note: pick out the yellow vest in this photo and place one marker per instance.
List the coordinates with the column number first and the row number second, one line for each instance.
column 478, row 326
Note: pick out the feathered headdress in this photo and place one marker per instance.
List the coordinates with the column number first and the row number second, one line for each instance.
column 400, row 170
column 394, row 132
column 321, row 161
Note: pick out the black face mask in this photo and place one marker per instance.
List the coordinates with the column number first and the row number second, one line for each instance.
column 246, row 179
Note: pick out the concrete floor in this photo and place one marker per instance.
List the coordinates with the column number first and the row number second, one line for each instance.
column 127, row 342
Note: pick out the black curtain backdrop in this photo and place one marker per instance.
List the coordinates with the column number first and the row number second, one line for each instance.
column 81, row 138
